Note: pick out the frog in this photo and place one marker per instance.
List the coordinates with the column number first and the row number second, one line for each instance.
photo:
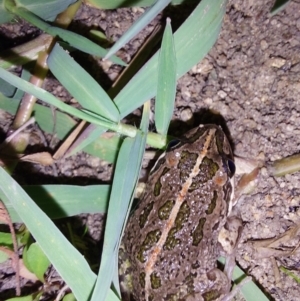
column 171, row 242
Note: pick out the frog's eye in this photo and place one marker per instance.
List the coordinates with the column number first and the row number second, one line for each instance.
column 231, row 167
column 172, row 144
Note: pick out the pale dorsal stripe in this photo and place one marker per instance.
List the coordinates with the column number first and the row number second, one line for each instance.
column 179, row 200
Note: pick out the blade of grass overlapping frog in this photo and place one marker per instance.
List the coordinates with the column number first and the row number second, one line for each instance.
column 81, row 85
column 64, row 257
column 47, row 10
column 166, row 87
column 138, row 25
column 125, row 179
column 74, row 39
column 59, row 201
column 192, row 40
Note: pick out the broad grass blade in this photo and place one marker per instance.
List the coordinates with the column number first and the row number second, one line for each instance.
column 125, row 179
column 59, row 201
column 166, row 87
column 81, row 85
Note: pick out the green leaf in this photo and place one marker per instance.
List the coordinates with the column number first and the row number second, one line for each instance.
column 47, row 10
column 166, row 87
column 192, row 41
column 69, row 297
column 25, row 298
column 81, row 85
column 125, row 179
column 65, row 258
column 59, row 201
column 6, row 239
column 36, row 261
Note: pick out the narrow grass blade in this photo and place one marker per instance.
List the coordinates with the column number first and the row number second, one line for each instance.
column 192, row 40
column 278, row 6
column 166, row 87
column 59, row 201
column 125, row 179
column 81, row 85
column 69, row 263
column 122, row 189
column 138, row 25
column 74, row 39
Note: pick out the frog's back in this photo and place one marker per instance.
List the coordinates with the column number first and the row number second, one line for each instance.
column 171, row 238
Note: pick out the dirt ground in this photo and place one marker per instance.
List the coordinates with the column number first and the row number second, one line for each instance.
column 252, row 78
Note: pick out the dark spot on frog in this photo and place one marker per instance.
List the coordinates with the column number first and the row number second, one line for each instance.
column 142, row 279
column 165, row 210
column 144, row 215
column 207, row 170
column 186, row 164
column 157, row 188
column 212, row 204
column 182, row 217
column 155, row 281
column 198, row 232
column 171, row 241
column 158, row 185
column 196, row 265
column 150, row 240
column 216, row 226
